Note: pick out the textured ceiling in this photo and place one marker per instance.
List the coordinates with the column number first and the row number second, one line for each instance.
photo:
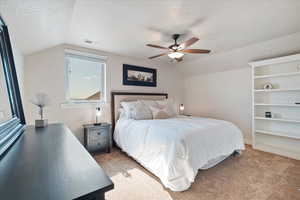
column 125, row 26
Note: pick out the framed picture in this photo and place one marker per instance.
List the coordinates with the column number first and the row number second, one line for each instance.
column 139, row 76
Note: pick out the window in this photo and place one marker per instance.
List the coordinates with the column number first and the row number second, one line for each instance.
column 85, row 75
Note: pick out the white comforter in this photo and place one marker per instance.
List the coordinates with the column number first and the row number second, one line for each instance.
column 175, row 149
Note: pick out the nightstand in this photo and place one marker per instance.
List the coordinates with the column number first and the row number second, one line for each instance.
column 98, row 138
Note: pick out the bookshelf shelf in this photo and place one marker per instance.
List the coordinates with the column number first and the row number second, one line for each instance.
column 279, row 134
column 277, row 104
column 277, row 75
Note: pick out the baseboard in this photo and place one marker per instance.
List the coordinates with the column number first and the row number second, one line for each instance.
column 277, row 150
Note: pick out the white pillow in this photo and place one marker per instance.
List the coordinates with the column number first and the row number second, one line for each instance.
column 141, row 112
column 122, row 114
column 169, row 106
column 136, row 110
column 147, row 104
column 128, row 107
column 160, row 112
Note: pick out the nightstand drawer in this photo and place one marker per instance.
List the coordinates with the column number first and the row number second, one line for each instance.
column 97, row 145
column 96, row 134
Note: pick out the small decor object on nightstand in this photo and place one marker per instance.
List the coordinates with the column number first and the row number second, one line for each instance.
column 268, row 86
column 268, row 115
column 41, row 100
column 98, row 138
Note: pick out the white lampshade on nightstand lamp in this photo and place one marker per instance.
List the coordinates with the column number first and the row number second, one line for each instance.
column 181, row 109
column 98, row 115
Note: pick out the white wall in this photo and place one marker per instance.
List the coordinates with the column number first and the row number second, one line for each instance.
column 222, row 95
column 227, row 95
column 45, row 72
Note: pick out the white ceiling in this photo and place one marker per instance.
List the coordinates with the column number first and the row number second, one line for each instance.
column 125, row 26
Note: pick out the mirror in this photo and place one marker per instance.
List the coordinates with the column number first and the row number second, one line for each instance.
column 12, row 120
column 5, row 109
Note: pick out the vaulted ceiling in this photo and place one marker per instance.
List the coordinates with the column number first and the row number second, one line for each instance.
column 125, row 26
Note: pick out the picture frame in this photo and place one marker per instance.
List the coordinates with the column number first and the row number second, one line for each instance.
column 139, row 76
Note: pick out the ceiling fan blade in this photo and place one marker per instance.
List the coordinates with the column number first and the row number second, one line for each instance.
column 158, row 55
column 188, row 43
column 195, row 51
column 156, row 46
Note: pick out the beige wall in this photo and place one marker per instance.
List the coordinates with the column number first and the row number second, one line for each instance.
column 222, row 95
column 45, row 72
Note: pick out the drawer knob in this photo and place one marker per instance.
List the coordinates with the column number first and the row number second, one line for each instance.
column 99, row 133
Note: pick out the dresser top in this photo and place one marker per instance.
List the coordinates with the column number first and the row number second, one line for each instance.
column 50, row 163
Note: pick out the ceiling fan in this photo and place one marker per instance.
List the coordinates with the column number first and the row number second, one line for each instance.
column 176, row 51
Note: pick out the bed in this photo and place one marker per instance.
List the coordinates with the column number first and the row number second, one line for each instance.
column 174, row 149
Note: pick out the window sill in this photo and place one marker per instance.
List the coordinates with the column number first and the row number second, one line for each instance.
column 82, row 104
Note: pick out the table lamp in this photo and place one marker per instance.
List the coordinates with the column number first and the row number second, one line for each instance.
column 98, row 115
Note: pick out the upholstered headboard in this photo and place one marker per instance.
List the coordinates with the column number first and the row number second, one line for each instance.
column 118, row 97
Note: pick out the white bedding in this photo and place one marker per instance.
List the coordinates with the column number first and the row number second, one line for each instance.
column 175, row 149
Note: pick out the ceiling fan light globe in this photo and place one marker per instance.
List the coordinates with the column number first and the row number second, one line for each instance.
column 175, row 55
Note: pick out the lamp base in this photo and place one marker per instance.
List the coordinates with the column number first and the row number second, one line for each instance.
column 40, row 123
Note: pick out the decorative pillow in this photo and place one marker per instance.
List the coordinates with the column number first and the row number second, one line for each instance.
column 128, row 107
column 136, row 110
column 169, row 104
column 141, row 112
column 159, row 112
column 122, row 114
column 147, row 104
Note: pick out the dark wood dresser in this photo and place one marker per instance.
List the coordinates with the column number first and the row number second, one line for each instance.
column 51, row 164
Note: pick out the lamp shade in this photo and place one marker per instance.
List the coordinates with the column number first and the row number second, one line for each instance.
column 181, row 107
column 98, row 111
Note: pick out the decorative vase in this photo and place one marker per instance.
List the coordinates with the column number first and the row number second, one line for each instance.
column 41, row 123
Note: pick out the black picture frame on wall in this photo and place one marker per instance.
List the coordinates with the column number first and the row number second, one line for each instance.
column 139, row 76
column 11, row 129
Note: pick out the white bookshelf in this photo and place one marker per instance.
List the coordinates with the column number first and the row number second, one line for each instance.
column 281, row 133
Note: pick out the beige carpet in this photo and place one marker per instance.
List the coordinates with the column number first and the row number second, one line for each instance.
column 255, row 175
